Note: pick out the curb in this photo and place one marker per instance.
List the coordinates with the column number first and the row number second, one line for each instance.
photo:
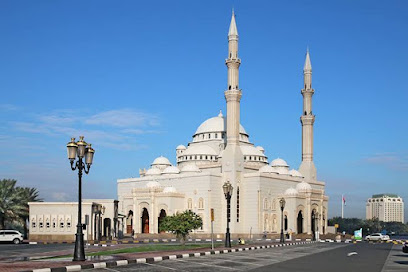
column 157, row 259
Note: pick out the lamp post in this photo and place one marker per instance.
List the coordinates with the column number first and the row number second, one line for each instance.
column 227, row 188
column 80, row 150
column 282, row 203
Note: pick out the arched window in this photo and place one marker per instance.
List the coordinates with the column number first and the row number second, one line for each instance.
column 190, row 204
column 216, row 135
column 201, row 203
column 209, row 136
column 265, row 203
column 237, row 204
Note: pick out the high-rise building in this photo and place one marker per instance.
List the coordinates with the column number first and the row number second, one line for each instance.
column 385, row 207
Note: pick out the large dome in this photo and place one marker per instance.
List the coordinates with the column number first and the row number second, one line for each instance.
column 161, row 161
column 216, row 124
column 279, row 162
column 171, row 170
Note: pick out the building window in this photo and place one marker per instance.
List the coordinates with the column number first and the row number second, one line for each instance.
column 61, row 225
column 237, row 204
column 47, row 224
column 68, row 224
column 190, row 204
column 54, row 225
column 216, row 135
column 33, row 224
column 201, row 203
column 265, row 204
column 209, row 136
column 41, row 225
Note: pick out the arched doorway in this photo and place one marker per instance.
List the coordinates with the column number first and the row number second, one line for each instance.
column 145, row 221
column 313, row 223
column 285, row 222
column 129, row 222
column 300, row 222
column 107, row 228
column 161, row 217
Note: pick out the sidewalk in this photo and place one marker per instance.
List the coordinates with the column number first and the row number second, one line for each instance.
column 123, row 258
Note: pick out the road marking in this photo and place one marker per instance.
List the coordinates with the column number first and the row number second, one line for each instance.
column 213, row 265
column 164, row 267
column 351, row 254
column 110, row 269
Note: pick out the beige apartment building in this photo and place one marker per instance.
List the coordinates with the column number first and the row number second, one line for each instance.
column 385, row 207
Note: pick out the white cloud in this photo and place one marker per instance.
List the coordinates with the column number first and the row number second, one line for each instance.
column 59, row 196
column 390, row 160
column 123, row 118
column 115, row 129
column 8, row 107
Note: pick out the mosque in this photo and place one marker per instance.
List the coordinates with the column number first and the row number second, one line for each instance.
column 221, row 152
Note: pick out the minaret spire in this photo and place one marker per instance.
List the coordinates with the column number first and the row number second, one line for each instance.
column 233, row 93
column 232, row 157
column 307, row 167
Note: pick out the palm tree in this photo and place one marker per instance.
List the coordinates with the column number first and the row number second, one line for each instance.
column 10, row 204
column 26, row 194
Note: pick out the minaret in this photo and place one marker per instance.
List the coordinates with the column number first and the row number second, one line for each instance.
column 233, row 93
column 307, row 167
column 232, row 157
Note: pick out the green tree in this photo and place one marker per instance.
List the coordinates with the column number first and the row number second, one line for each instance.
column 14, row 203
column 10, row 204
column 181, row 224
column 26, row 194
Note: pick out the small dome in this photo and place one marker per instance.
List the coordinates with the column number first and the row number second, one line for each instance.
column 153, row 172
column 249, row 150
column 170, row 189
column 279, row 162
column 161, row 161
column 181, row 147
column 267, row 169
column 281, row 170
column 291, row 192
column 295, row 173
column 260, row 148
column 171, row 170
column 303, row 187
column 190, row 168
column 153, row 184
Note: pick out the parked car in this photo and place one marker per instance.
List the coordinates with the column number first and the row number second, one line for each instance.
column 11, row 236
column 377, row 237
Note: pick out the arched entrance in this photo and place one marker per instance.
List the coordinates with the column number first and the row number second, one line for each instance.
column 161, row 217
column 129, row 222
column 145, row 221
column 313, row 223
column 300, row 222
column 107, row 228
column 285, row 222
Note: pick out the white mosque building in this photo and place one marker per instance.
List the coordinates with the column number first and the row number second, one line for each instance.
column 220, row 152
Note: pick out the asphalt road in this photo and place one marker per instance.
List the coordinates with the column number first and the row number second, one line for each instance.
column 26, row 250
column 311, row 257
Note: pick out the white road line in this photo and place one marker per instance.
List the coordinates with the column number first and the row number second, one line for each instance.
column 213, row 265
column 110, row 269
column 164, row 267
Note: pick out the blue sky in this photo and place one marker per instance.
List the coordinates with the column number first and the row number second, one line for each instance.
column 137, row 78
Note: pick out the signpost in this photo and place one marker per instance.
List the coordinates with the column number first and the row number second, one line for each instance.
column 212, row 229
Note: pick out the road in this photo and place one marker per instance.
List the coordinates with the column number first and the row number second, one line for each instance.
column 20, row 251
column 331, row 257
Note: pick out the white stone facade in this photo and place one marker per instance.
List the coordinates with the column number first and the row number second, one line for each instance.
column 385, row 207
column 221, row 151
column 57, row 221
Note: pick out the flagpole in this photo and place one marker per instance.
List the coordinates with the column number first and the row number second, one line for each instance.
column 342, row 204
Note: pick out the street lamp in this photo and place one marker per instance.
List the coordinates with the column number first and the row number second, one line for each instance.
column 80, row 149
column 282, row 203
column 227, row 188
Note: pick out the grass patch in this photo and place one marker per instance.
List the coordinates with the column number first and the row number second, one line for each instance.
column 150, row 248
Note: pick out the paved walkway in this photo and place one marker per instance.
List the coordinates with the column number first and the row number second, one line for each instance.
column 396, row 261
